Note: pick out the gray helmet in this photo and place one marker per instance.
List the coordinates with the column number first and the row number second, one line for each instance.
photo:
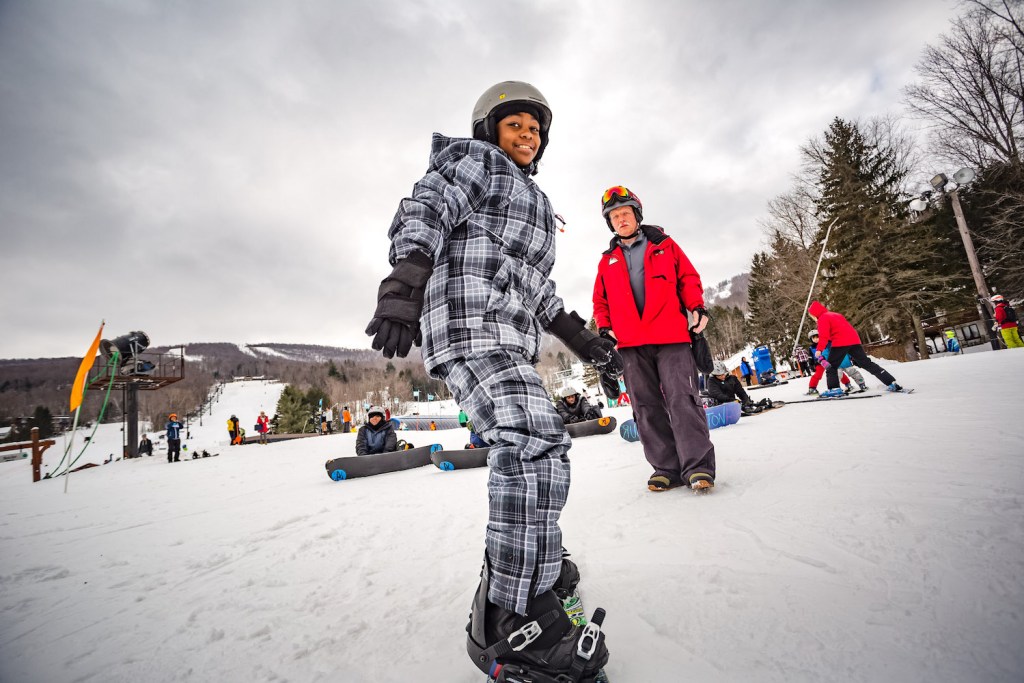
column 812, row 334
column 719, row 368
column 567, row 391
column 510, row 97
column 374, row 410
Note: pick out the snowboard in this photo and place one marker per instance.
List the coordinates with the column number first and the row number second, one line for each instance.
column 602, row 425
column 355, row 466
column 628, row 431
column 465, row 458
column 821, row 399
column 723, row 415
column 202, row 454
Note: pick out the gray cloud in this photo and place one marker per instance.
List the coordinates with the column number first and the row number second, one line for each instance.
column 228, row 171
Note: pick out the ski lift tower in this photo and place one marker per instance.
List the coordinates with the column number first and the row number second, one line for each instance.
column 135, row 371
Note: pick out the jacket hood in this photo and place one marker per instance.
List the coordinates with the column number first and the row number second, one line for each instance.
column 444, row 149
column 817, row 308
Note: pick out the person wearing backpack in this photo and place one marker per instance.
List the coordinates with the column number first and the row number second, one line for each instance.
column 1006, row 319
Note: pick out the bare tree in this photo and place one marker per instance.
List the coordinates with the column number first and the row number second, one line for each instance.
column 971, row 86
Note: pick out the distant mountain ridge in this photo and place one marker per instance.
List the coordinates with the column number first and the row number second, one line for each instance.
column 731, row 292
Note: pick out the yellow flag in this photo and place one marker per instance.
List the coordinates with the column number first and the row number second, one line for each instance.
column 78, row 390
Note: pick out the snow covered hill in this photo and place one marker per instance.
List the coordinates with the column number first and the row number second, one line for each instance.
column 867, row 540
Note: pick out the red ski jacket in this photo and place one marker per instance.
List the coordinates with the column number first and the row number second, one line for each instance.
column 832, row 328
column 671, row 285
column 1005, row 316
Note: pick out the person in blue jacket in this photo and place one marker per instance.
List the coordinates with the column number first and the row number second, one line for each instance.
column 173, row 437
column 746, row 370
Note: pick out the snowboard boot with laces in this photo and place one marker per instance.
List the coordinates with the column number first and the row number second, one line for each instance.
column 542, row 646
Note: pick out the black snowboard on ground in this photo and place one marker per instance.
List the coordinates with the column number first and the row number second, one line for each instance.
column 602, row 425
column 477, row 457
column 368, row 465
column 461, row 459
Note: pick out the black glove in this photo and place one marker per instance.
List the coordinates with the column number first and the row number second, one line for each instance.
column 395, row 326
column 606, row 332
column 591, row 348
column 610, row 384
column 701, row 314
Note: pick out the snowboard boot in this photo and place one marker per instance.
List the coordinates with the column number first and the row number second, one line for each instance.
column 832, row 393
column 750, row 408
column 894, row 387
column 813, row 391
column 661, row 482
column 543, row 646
column 701, row 483
column 847, row 388
column 861, row 387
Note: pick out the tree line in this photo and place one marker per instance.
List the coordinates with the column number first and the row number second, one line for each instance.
column 886, row 268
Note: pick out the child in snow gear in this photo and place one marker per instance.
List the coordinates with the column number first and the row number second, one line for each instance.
column 645, row 270
column 835, row 330
column 952, row 343
column 145, row 446
column 377, row 435
column 173, row 437
column 572, row 407
column 263, row 426
column 1006, row 319
column 233, row 431
column 846, row 368
column 472, row 252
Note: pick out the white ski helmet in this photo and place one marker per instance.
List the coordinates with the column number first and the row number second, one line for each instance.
column 567, row 391
column 511, row 97
column 375, row 410
column 719, row 368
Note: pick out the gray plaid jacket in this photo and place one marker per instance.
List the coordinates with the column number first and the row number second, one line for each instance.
column 491, row 234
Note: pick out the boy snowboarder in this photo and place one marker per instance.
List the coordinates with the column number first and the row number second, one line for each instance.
column 723, row 387
column 472, row 251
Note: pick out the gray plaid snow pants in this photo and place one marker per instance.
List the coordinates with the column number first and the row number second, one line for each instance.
column 529, row 471
column 662, row 383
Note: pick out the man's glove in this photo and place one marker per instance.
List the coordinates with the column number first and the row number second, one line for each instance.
column 610, row 384
column 395, row 326
column 591, row 348
column 606, row 332
column 702, row 314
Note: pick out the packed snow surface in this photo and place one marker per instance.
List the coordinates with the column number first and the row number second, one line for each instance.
column 866, row 540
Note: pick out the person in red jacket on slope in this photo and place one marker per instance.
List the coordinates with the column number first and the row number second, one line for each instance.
column 835, row 329
column 645, row 286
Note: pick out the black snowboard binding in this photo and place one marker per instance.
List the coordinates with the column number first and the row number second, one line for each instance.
column 544, row 646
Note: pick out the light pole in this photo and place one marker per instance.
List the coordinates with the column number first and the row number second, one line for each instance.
column 814, row 280
column 939, row 183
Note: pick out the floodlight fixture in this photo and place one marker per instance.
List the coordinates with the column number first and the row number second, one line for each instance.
column 964, row 176
column 939, row 182
column 919, row 204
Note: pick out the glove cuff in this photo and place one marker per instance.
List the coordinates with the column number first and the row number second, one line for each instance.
column 570, row 328
column 414, row 270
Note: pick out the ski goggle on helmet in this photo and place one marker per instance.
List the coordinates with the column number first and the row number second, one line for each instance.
column 617, row 196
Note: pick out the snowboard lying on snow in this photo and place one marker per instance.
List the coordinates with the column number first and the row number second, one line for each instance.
column 477, row 457
column 368, row 465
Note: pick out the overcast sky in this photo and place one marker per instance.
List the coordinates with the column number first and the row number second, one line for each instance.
column 227, row 171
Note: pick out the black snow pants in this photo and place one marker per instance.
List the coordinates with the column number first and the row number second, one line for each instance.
column 858, row 358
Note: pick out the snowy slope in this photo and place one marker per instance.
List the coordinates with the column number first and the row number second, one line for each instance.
column 870, row 540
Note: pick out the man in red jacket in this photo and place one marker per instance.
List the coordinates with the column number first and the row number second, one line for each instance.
column 836, row 329
column 644, row 287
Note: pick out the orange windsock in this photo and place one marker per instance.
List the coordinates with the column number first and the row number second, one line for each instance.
column 78, row 389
